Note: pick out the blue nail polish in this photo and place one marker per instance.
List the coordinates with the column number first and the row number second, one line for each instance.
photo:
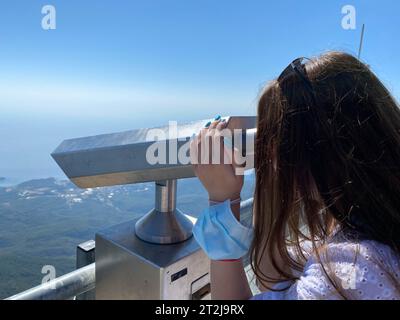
column 217, row 118
column 208, row 124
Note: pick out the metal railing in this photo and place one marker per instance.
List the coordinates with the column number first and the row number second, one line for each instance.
column 63, row 288
column 83, row 279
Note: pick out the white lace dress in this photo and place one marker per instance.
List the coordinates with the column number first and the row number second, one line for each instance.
column 365, row 270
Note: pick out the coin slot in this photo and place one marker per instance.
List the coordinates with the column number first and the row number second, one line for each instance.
column 202, row 292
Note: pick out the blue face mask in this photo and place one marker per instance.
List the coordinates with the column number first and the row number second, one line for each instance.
column 220, row 234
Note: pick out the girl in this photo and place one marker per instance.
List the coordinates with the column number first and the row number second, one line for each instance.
column 326, row 213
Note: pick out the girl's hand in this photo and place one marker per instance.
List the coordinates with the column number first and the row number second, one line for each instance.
column 218, row 177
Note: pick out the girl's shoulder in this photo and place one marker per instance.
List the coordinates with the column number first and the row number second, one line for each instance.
column 358, row 251
column 363, row 269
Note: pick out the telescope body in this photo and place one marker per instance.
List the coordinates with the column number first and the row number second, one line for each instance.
column 121, row 158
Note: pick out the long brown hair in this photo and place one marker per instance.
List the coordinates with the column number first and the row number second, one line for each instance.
column 325, row 160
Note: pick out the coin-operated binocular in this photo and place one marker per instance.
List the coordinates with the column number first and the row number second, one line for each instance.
column 155, row 256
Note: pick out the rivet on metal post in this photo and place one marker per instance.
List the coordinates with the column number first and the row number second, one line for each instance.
column 165, row 224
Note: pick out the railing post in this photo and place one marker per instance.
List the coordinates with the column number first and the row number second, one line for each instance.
column 85, row 255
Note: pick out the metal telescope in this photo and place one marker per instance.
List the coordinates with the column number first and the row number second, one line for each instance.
column 153, row 257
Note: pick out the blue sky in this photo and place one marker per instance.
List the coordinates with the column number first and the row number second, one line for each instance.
column 118, row 65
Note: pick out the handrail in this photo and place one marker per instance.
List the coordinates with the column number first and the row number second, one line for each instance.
column 62, row 288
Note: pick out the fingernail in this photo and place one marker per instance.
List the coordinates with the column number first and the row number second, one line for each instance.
column 217, row 118
column 207, row 124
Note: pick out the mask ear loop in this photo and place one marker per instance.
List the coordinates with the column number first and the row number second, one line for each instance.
column 236, row 201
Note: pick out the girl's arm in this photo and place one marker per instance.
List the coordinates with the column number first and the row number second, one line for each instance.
column 228, row 278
